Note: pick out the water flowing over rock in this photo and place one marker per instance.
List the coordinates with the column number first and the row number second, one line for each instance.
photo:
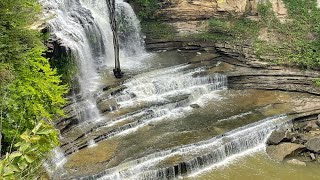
column 154, row 96
column 145, row 127
column 82, row 27
column 199, row 155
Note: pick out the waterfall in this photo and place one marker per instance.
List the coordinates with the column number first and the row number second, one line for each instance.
column 198, row 155
column 83, row 27
column 131, row 41
column 163, row 84
column 55, row 162
column 162, row 94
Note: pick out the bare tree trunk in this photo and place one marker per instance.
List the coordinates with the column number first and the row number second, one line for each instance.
column 1, row 120
column 112, row 16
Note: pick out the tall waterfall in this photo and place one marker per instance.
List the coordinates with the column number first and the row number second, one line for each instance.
column 83, row 27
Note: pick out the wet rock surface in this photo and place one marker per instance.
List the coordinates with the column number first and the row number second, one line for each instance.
column 313, row 144
column 279, row 136
column 301, row 142
column 284, row 150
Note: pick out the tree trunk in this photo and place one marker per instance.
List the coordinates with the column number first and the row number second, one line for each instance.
column 112, row 16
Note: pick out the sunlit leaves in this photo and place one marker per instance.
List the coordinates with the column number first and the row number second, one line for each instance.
column 32, row 148
column 30, row 91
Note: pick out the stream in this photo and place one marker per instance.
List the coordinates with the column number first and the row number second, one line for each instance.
column 171, row 116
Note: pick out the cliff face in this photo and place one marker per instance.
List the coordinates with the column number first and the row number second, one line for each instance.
column 186, row 15
column 190, row 16
column 203, row 9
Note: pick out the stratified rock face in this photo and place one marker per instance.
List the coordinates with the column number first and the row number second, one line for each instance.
column 314, row 144
column 203, row 9
column 284, row 150
column 237, row 6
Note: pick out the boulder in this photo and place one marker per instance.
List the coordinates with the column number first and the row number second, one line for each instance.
column 296, row 162
column 195, row 106
column 313, row 144
column 300, row 138
column 281, row 151
column 279, row 136
column 318, row 120
column 312, row 156
column 311, row 125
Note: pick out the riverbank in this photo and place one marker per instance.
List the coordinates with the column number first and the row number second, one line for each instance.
column 240, row 33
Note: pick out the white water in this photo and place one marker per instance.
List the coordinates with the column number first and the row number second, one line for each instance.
column 199, row 156
column 131, row 42
column 158, row 92
column 83, row 27
column 55, row 162
column 163, row 84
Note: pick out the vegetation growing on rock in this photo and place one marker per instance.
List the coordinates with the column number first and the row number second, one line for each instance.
column 286, row 35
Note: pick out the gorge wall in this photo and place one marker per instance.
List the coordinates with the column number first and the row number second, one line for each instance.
column 187, row 15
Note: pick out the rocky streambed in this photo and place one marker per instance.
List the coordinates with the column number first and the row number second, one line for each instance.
column 299, row 144
column 134, row 126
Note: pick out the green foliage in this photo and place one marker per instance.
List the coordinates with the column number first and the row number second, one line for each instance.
column 14, row 37
column 158, row 29
column 265, row 11
column 6, row 74
column 231, row 29
column 30, row 89
column 31, row 149
column 297, row 39
column 35, row 94
column 317, row 82
column 146, row 8
column 66, row 67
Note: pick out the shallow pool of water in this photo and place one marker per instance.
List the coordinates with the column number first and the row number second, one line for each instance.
column 258, row 166
column 166, row 114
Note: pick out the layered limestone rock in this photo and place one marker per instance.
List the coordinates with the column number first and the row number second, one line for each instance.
column 187, row 16
column 201, row 9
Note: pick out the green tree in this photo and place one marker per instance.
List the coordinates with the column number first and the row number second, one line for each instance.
column 30, row 89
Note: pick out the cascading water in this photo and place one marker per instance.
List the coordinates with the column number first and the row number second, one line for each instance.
column 198, row 156
column 131, row 42
column 54, row 165
column 144, row 100
column 83, row 27
column 162, row 94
